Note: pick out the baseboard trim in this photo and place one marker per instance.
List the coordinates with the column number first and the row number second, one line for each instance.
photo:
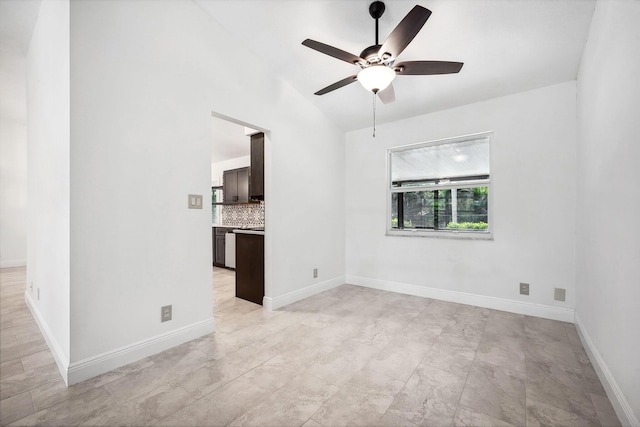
column 75, row 372
column 291, row 297
column 61, row 361
column 8, row 263
column 519, row 307
column 616, row 396
column 90, row 367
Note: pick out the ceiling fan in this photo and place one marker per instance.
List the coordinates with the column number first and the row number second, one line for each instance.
column 377, row 62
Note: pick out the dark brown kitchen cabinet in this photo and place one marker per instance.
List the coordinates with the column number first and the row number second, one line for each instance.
column 256, row 185
column 219, row 236
column 236, row 185
column 250, row 267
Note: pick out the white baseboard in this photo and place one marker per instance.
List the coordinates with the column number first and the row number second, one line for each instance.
column 519, row 307
column 618, row 400
column 291, row 297
column 90, row 367
column 82, row 370
column 61, row 360
column 8, row 263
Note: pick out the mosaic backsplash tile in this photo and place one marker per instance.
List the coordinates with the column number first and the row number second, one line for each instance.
column 250, row 215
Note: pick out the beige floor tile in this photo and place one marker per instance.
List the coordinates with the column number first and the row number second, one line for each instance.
column 220, row 407
column 291, row 405
column 350, row 355
column 71, row 412
column 606, row 414
column 430, row 397
column 502, row 350
column 466, row 417
column 16, row 407
column 362, row 401
column 542, row 414
column 495, row 392
column 11, row 368
column 393, row 420
column 550, row 384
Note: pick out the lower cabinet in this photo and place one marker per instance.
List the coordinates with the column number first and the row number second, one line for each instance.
column 219, row 236
column 250, row 267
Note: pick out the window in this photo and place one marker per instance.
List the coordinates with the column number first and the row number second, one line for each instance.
column 216, row 204
column 441, row 188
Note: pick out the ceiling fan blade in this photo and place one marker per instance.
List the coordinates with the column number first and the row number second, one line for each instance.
column 388, row 95
column 333, row 51
column 338, row 85
column 402, row 35
column 425, row 68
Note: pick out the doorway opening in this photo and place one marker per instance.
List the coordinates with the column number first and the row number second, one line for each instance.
column 238, row 206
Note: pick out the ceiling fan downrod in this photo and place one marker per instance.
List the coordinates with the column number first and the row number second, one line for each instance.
column 376, row 9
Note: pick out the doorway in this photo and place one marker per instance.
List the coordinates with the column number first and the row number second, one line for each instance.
column 237, row 201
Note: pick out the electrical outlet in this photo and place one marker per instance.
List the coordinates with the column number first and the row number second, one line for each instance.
column 315, row 273
column 559, row 294
column 31, row 287
column 524, row 289
column 165, row 313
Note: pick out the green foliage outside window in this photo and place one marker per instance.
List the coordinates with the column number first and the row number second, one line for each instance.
column 467, row 225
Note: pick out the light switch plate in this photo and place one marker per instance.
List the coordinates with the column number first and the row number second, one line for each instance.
column 195, row 201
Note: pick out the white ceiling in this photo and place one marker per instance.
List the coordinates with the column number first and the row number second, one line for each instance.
column 507, row 46
column 17, row 19
column 228, row 140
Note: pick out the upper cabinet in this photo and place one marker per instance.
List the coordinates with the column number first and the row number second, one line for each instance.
column 256, row 186
column 246, row 185
column 236, row 185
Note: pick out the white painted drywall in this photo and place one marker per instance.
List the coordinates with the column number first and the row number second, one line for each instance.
column 13, row 193
column 48, row 173
column 533, row 174
column 608, row 203
column 145, row 78
column 218, row 168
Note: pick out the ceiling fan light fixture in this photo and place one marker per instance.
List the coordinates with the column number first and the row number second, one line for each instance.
column 376, row 77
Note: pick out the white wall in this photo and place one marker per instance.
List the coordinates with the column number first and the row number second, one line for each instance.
column 533, row 174
column 608, row 203
column 13, row 193
column 145, row 78
column 48, row 156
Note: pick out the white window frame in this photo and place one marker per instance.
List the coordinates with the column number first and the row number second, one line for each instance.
column 486, row 234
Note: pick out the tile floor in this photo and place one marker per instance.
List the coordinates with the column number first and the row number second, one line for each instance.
column 348, row 356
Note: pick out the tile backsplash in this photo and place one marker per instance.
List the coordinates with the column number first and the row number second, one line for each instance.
column 249, row 215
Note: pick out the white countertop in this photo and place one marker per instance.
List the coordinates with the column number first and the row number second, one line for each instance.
column 247, row 231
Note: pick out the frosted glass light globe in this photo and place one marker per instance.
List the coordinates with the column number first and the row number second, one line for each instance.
column 376, row 77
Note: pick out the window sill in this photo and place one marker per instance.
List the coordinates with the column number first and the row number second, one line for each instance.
column 442, row 234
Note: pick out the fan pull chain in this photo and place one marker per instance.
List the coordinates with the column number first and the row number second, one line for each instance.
column 374, row 114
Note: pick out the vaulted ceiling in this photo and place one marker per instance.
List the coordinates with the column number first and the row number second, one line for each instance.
column 507, row 46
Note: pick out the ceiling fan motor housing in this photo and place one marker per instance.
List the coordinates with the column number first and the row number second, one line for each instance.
column 371, row 54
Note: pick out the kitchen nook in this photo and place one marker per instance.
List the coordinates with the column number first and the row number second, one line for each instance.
column 238, row 206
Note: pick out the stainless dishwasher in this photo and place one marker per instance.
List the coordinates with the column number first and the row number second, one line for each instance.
column 230, row 250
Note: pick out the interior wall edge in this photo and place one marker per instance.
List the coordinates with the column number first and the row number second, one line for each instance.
column 61, row 361
column 621, row 405
column 273, row 303
column 502, row 304
column 93, row 366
